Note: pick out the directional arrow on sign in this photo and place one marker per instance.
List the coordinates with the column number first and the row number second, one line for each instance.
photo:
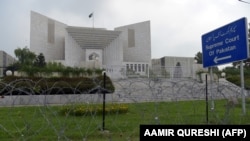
column 216, row 59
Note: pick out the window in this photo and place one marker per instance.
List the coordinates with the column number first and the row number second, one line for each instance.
column 136, row 67
column 51, row 31
column 143, row 67
column 4, row 59
column 139, row 67
column 131, row 38
column 131, row 66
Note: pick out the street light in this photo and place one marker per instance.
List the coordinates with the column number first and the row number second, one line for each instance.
column 104, row 91
column 8, row 72
column 223, row 74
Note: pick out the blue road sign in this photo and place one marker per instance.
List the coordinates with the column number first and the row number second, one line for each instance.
column 226, row 44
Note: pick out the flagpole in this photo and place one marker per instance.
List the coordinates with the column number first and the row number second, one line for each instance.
column 91, row 15
column 93, row 19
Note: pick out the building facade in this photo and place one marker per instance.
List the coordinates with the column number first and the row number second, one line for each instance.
column 5, row 61
column 176, row 67
column 122, row 51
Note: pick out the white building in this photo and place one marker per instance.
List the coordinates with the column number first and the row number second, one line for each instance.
column 119, row 51
column 176, row 67
column 5, row 61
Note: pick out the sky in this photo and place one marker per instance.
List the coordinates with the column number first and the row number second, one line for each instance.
column 176, row 25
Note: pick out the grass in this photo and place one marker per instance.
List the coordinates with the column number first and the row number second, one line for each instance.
column 45, row 123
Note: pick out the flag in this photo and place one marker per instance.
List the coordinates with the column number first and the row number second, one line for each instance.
column 90, row 15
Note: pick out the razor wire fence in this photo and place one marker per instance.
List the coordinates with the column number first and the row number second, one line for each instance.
column 29, row 116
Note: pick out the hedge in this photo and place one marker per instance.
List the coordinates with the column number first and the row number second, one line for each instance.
column 14, row 85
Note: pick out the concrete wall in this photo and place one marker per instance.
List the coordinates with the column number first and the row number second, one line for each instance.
column 141, row 51
column 74, row 54
column 39, row 40
column 188, row 67
column 186, row 64
column 113, row 58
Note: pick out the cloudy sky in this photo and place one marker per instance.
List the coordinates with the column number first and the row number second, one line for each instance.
column 176, row 25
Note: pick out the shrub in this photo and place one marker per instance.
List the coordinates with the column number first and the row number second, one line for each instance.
column 93, row 109
column 234, row 79
column 54, row 85
column 237, row 81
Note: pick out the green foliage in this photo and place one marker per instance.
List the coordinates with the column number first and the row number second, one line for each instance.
column 40, row 61
column 43, row 123
column 198, row 58
column 54, row 66
column 29, row 69
column 230, row 71
column 34, row 65
column 25, row 56
column 50, row 67
column 234, row 79
column 233, row 75
column 93, row 109
column 246, row 63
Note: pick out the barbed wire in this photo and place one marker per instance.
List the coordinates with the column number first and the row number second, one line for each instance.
column 130, row 90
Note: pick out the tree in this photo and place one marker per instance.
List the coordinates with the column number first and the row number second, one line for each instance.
column 40, row 60
column 198, row 58
column 246, row 62
column 25, row 56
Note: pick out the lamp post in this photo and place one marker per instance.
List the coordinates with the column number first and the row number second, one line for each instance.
column 104, row 91
column 104, row 97
column 223, row 74
column 8, row 72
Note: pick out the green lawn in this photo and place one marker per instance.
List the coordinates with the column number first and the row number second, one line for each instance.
column 45, row 123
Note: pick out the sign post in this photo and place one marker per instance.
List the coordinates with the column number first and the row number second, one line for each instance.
column 227, row 44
